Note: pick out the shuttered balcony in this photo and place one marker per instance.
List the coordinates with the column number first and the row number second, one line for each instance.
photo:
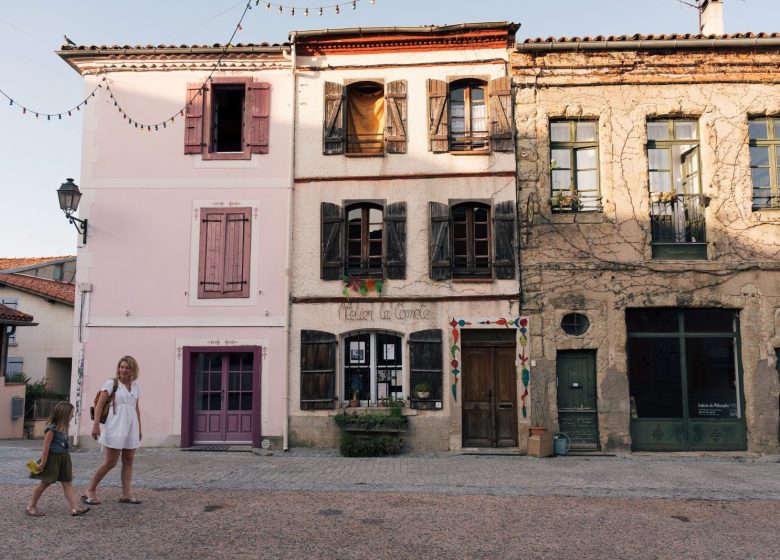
column 678, row 226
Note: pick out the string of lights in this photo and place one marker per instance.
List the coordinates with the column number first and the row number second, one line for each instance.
column 149, row 127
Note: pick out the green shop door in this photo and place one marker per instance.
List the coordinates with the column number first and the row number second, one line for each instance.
column 685, row 380
column 577, row 415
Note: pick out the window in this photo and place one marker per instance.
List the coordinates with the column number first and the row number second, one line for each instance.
column 364, row 118
column 14, row 366
column 470, row 115
column 575, row 324
column 425, row 367
column 13, row 303
column 224, row 251
column 574, row 167
column 228, row 118
column 464, row 245
column 676, row 203
column 765, row 161
column 369, row 239
column 372, row 366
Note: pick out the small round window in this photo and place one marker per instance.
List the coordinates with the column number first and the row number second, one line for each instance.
column 575, row 324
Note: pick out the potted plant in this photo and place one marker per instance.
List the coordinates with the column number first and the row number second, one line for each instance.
column 422, row 390
column 355, row 400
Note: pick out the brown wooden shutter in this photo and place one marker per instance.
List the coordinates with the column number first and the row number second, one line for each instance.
column 395, row 117
column 224, row 257
column 505, row 246
column 333, row 123
column 332, row 260
column 193, row 122
column 395, row 241
column 259, row 112
column 425, row 358
column 438, row 116
column 318, row 370
column 439, row 242
column 500, row 96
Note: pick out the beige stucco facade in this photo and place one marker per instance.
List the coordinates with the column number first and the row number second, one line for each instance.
column 601, row 263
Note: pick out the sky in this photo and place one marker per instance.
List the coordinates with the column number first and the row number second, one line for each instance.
column 36, row 156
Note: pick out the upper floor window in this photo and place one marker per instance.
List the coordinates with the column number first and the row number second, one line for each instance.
column 13, row 303
column 470, row 115
column 574, row 166
column 765, row 161
column 224, row 253
column 227, row 118
column 368, row 239
column 364, row 118
column 466, row 243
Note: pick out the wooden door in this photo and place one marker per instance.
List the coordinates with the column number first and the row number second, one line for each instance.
column 577, row 415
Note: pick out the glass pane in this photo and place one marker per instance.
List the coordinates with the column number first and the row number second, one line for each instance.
column 758, row 130
column 777, row 128
column 655, row 383
column 234, row 401
column 685, row 130
column 586, row 132
column 203, row 381
column 354, row 231
column 559, row 132
column 651, row 320
column 778, row 155
column 375, row 231
column 759, row 155
column 459, row 213
column 216, row 381
column 660, row 181
column 481, row 248
column 561, row 179
column 234, row 379
column 658, row 159
column 480, row 214
column 477, row 95
column 215, row 401
column 246, row 401
column 586, row 159
column 374, row 216
column 586, row 180
column 460, row 247
column 246, row 380
column 459, row 230
column 202, row 401
column 760, row 176
column 234, row 361
column 481, row 231
column 658, row 130
column 712, row 389
column 375, row 248
column 709, row 320
column 560, row 159
column 457, row 95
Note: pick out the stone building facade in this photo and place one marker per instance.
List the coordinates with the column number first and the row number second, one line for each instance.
column 650, row 238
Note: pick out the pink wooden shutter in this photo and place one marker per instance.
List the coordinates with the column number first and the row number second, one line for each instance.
column 212, row 253
column 259, row 111
column 193, row 122
column 223, row 267
column 237, row 244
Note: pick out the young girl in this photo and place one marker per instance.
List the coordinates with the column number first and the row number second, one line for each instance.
column 54, row 464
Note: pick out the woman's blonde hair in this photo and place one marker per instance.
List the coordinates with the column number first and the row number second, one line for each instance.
column 134, row 369
column 60, row 416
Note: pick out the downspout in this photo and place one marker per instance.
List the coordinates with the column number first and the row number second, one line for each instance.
column 85, row 290
column 288, row 258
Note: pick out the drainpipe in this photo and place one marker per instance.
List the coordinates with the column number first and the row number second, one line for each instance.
column 288, row 258
column 85, row 289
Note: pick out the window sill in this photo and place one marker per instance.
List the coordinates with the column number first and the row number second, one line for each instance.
column 379, row 155
column 470, row 152
column 485, row 280
column 226, row 156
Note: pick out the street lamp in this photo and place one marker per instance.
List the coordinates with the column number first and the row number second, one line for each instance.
column 70, row 195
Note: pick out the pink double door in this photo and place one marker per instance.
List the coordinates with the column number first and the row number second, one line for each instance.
column 224, row 396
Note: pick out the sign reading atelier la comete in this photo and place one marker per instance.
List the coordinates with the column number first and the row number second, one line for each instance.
column 386, row 311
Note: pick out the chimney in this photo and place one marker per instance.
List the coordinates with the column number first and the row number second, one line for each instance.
column 711, row 17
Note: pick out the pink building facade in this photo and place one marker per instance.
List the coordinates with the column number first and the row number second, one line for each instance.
column 186, row 182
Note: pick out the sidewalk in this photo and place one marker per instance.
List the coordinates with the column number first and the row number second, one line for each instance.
column 630, row 476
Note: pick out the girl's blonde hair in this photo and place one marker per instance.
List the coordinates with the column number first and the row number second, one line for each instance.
column 60, row 416
column 134, row 369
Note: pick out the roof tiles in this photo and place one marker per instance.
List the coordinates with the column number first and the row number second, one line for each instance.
column 63, row 292
column 8, row 314
column 12, row 263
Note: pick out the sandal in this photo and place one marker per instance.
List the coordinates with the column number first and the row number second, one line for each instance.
column 129, row 501
column 79, row 511
column 34, row 512
column 89, row 501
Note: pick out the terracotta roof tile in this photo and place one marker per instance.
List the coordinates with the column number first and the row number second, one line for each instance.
column 64, row 292
column 13, row 315
column 169, row 47
column 11, row 263
column 651, row 37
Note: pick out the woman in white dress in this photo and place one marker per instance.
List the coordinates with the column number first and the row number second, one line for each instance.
column 121, row 434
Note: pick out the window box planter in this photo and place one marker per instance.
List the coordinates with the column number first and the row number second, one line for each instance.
column 371, row 435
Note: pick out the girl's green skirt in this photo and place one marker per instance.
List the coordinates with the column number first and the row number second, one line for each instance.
column 58, row 469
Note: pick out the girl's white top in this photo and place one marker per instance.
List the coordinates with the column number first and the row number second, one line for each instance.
column 121, row 428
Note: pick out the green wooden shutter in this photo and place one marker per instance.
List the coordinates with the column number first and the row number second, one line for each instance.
column 395, row 240
column 439, row 242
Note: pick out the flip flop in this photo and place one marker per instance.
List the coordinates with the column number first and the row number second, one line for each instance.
column 89, row 501
column 34, row 512
column 129, row 501
column 79, row 511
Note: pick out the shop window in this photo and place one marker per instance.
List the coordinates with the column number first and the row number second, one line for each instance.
column 224, row 253
column 364, row 118
column 372, row 367
column 318, row 370
column 470, row 115
column 227, row 118
column 368, row 239
column 574, row 166
column 466, row 242
column 765, row 161
column 575, row 324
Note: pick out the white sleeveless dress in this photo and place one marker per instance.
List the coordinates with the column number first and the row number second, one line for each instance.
column 121, row 429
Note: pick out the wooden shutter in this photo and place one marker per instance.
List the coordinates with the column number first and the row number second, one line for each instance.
column 333, row 123
column 259, row 112
column 500, row 96
column 439, row 242
column 395, row 117
column 425, row 358
column 395, row 241
column 318, row 370
column 224, row 253
column 331, row 260
column 438, row 115
column 505, row 252
column 193, row 122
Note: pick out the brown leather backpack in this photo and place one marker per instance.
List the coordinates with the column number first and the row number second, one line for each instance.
column 110, row 401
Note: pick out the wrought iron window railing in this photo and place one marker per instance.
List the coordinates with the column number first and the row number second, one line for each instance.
column 581, row 201
column 474, row 140
column 678, row 225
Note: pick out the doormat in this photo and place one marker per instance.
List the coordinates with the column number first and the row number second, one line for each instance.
column 220, row 448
